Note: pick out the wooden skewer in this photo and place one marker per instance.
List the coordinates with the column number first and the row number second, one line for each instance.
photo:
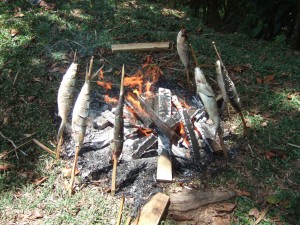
column 58, row 147
column 73, row 170
column 113, row 178
column 120, row 211
column 128, row 220
column 43, row 146
column 194, row 55
column 224, row 148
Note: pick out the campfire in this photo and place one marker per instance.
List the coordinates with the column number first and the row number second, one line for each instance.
column 152, row 132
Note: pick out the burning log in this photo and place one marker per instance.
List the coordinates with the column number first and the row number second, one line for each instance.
column 164, row 164
column 162, row 126
column 228, row 86
column 117, row 143
column 154, row 46
column 208, row 98
column 138, row 112
column 194, row 144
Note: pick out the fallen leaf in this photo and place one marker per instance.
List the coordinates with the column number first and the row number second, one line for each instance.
column 14, row 32
column 5, row 167
column 36, row 215
column 3, row 154
column 290, row 97
column 31, row 98
column 259, row 80
column 262, row 214
column 68, row 171
column 19, row 15
column 268, row 79
column 286, row 204
column 225, row 207
column 243, row 193
column 39, row 181
column 254, row 212
column 273, row 199
column 264, row 124
column 54, row 69
column 273, row 153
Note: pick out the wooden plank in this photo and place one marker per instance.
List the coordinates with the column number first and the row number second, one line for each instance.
column 154, row 209
column 151, row 46
column 164, row 163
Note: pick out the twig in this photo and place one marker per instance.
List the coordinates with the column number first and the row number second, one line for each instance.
column 120, row 211
column 262, row 215
column 250, row 149
column 16, row 78
column 296, row 146
column 8, row 139
column 43, row 147
column 16, row 148
column 128, row 220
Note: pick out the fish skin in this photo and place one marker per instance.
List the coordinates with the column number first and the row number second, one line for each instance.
column 65, row 96
column 183, row 48
column 208, row 97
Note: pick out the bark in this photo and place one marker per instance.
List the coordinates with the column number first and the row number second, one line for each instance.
column 295, row 39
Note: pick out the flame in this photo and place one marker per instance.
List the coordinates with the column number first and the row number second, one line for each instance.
column 136, row 104
column 134, row 81
column 145, row 131
column 101, row 75
column 184, row 104
column 108, row 99
column 183, row 133
column 105, row 85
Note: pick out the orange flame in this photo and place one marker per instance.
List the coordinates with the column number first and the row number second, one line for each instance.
column 134, row 81
column 101, row 74
column 146, row 132
column 108, row 99
column 183, row 133
column 105, row 85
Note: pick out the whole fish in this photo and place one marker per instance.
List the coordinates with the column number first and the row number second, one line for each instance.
column 207, row 96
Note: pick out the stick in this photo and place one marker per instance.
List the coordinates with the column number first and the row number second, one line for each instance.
column 128, row 220
column 73, row 170
column 194, row 55
column 218, row 55
column 154, row 46
column 16, row 148
column 296, row 146
column 225, row 151
column 113, row 177
column 43, row 146
column 262, row 215
column 120, row 211
column 58, row 147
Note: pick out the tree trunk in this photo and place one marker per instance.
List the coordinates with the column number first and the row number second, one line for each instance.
column 295, row 39
column 213, row 16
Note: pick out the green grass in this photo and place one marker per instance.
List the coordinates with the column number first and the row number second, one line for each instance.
column 49, row 39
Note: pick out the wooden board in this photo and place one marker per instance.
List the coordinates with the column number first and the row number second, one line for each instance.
column 152, row 46
column 154, row 209
column 164, row 164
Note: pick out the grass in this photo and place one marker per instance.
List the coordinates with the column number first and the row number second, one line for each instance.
column 48, row 40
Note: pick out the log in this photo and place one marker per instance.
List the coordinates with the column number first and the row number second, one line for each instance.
column 192, row 199
column 162, row 126
column 154, row 209
column 151, row 46
column 164, row 163
column 142, row 145
column 189, row 129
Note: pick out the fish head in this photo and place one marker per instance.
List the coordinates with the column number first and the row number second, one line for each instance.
column 218, row 67
column 199, row 76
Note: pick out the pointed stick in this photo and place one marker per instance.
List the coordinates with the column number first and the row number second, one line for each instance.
column 74, row 170
column 120, row 211
column 194, row 55
column 43, row 146
column 58, row 147
column 117, row 143
column 229, row 82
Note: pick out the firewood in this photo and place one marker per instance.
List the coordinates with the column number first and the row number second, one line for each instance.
column 154, row 209
column 192, row 199
column 143, row 145
column 194, row 145
column 164, row 163
column 171, row 134
column 152, row 46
